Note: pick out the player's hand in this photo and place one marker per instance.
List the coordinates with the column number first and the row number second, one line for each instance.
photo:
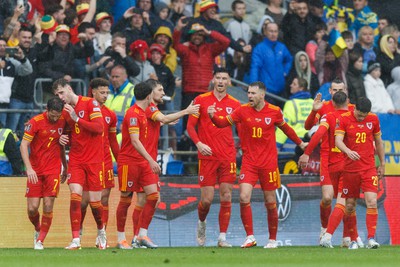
column 303, row 161
column 353, row 155
column 64, row 176
column 204, row 149
column 318, row 102
column 64, row 139
column 303, row 145
column 32, row 177
column 155, row 167
column 71, row 112
column 381, row 171
column 192, row 109
column 211, row 110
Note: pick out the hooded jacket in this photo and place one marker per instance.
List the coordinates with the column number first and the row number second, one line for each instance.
column 171, row 57
column 376, row 92
column 355, row 84
column 394, row 88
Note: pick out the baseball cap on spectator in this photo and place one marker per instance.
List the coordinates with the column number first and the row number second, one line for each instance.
column 139, row 47
column 206, row 4
column 156, row 47
column 196, row 27
column 82, row 8
column 373, row 65
column 62, row 28
column 102, row 16
column 48, row 24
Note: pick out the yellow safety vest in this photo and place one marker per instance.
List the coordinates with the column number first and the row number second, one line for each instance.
column 5, row 166
column 121, row 102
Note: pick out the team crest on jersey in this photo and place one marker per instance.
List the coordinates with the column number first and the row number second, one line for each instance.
column 267, row 121
column 95, row 103
column 152, row 109
column 130, row 184
column 133, row 121
column 345, row 191
column 81, row 113
column 27, row 190
column 108, row 119
column 60, row 131
column 201, row 178
column 322, row 178
column 369, row 125
column 229, row 110
column 241, row 177
column 28, row 127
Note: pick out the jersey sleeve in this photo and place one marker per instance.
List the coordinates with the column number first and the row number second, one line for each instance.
column 30, row 131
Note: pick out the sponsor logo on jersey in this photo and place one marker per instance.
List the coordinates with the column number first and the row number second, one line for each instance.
column 81, row 113
column 28, row 127
column 60, row 131
column 267, row 121
column 108, row 119
column 133, row 121
column 229, row 110
column 369, row 125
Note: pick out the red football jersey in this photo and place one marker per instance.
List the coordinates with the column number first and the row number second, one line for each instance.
column 84, row 143
column 359, row 136
column 110, row 126
column 45, row 148
column 153, row 127
column 220, row 140
column 135, row 122
column 257, row 134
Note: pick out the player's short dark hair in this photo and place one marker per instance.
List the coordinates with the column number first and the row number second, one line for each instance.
column 302, row 83
column 60, row 82
column 220, row 70
column 339, row 98
column 236, row 2
column 85, row 25
column 259, row 84
column 337, row 80
column 53, row 9
column 55, row 104
column 347, row 35
column 142, row 90
column 153, row 83
column 97, row 82
column 363, row 104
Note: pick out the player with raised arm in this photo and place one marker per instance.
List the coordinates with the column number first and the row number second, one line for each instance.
column 43, row 165
column 216, row 153
column 85, row 168
column 321, row 108
column 100, row 92
column 258, row 120
column 358, row 137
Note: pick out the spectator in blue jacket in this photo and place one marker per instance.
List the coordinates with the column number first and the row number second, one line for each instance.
column 271, row 62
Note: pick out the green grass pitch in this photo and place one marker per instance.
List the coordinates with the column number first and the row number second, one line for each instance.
column 204, row 257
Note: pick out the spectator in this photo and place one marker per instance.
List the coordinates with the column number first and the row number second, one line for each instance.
column 133, row 27
column 118, row 56
column 365, row 45
column 163, row 37
column 388, row 57
column 103, row 36
column 312, row 45
column 349, row 39
column 382, row 23
column 178, row 10
column 10, row 157
column 139, row 49
column 10, row 67
column 121, row 95
column 85, row 13
column 119, row 7
column 376, row 91
column 237, row 27
column 392, row 30
column 296, row 110
column 394, row 88
column 298, row 27
column 208, row 13
column 302, row 69
column 12, row 26
column 197, row 59
column 271, row 50
column 239, row 64
column 355, row 82
column 261, row 32
column 23, row 86
column 57, row 12
column 275, row 10
column 363, row 17
column 162, row 12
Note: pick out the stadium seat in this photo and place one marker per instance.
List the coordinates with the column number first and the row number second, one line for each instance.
column 175, row 167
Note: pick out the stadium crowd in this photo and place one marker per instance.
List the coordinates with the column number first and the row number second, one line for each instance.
column 290, row 49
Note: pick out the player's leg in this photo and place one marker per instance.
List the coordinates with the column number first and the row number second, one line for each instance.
column 47, row 218
column 325, row 206
column 75, row 214
column 225, row 193
column 334, row 220
column 272, row 215
column 351, row 203
column 245, row 191
column 137, row 212
column 97, row 211
column 109, row 183
column 105, row 195
column 206, row 198
column 84, row 205
column 122, row 212
column 33, row 215
column 152, row 196
column 371, row 218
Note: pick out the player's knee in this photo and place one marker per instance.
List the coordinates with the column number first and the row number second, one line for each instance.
column 206, row 203
column 371, row 203
column 244, row 198
column 226, row 196
column 326, row 200
column 32, row 210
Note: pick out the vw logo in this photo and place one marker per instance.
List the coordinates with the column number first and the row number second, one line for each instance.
column 284, row 202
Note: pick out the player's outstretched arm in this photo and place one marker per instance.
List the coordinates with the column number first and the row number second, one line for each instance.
column 191, row 109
